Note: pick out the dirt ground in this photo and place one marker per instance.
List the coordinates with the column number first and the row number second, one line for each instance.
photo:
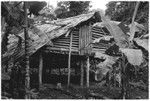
column 95, row 91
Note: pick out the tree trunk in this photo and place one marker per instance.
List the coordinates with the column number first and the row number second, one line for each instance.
column 27, row 75
column 132, row 29
column 123, row 77
column 69, row 60
column 40, row 69
column 12, row 76
column 87, row 72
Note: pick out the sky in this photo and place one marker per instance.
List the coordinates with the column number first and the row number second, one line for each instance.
column 100, row 4
column 96, row 4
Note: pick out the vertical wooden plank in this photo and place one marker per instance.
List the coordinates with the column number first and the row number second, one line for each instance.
column 87, row 71
column 40, row 69
column 90, row 38
column 83, row 41
column 80, row 39
column 82, row 73
column 69, row 59
column 85, row 38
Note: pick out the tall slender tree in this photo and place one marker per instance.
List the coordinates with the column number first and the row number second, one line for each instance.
column 26, row 36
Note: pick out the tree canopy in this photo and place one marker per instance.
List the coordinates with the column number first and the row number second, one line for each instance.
column 71, row 8
column 123, row 11
column 13, row 18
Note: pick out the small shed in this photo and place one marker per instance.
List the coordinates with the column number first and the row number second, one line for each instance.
column 82, row 33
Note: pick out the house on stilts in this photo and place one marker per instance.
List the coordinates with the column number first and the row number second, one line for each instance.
column 64, row 43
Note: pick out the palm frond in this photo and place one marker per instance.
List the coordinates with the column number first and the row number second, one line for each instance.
column 104, row 67
column 142, row 42
column 120, row 37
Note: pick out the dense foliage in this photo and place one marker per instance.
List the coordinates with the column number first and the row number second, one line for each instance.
column 132, row 57
column 71, row 8
column 123, row 11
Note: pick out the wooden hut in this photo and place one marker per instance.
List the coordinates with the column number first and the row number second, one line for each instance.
column 72, row 37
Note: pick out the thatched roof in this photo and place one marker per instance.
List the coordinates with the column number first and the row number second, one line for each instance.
column 42, row 34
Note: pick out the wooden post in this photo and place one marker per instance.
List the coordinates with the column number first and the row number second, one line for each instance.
column 40, row 69
column 87, row 71
column 69, row 60
column 82, row 74
column 26, row 36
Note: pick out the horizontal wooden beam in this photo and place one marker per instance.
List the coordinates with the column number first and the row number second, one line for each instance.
column 61, row 49
column 61, row 52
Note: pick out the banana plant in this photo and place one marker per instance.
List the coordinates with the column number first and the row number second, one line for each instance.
column 129, row 52
column 104, row 67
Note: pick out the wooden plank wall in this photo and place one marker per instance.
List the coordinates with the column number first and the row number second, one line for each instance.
column 82, row 37
column 85, row 39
